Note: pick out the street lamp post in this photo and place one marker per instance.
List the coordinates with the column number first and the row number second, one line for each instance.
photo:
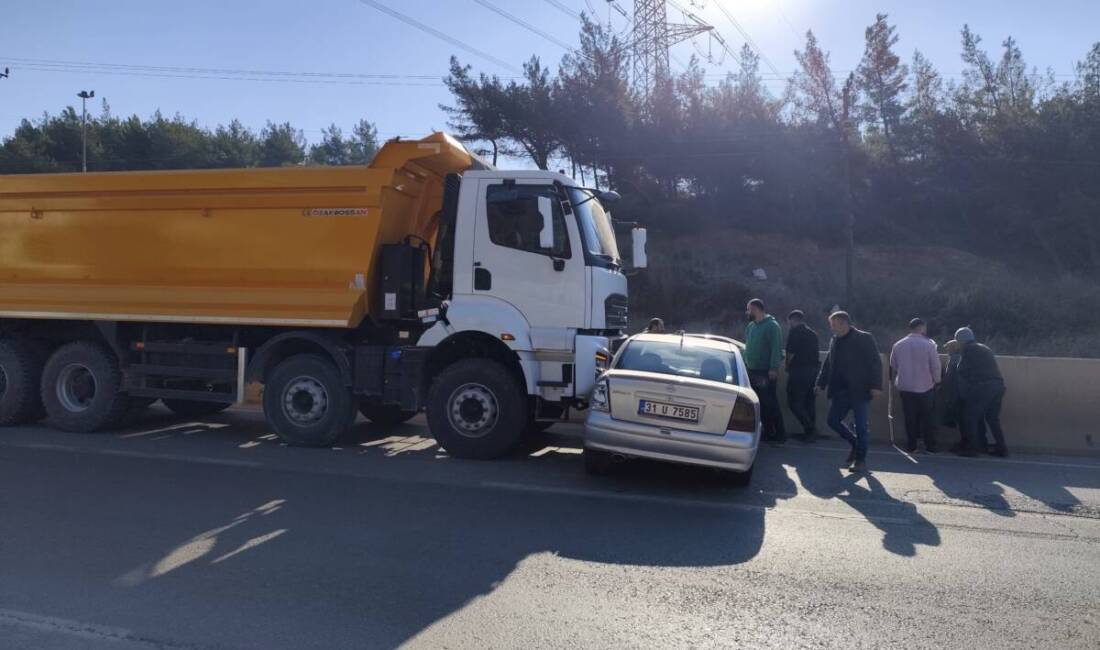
column 84, row 96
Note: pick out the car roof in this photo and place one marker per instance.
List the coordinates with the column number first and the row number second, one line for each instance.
column 703, row 340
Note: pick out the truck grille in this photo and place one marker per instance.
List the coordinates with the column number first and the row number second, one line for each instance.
column 615, row 311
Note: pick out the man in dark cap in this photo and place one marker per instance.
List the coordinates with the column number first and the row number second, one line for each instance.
column 982, row 389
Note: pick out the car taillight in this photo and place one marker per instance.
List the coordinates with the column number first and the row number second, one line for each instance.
column 743, row 417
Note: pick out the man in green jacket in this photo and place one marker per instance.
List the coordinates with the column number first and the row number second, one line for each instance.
column 763, row 354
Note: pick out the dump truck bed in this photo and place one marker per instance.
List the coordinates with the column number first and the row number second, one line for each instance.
column 283, row 246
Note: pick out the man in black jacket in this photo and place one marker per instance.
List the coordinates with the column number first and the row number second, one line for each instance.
column 852, row 373
column 981, row 388
column 803, row 363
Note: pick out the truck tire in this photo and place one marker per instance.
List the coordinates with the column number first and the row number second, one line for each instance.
column 82, row 388
column 21, row 364
column 477, row 409
column 306, row 402
column 385, row 415
column 190, row 408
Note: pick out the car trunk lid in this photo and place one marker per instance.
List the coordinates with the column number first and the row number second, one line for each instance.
column 672, row 402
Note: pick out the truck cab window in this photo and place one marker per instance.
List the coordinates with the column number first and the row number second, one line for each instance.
column 515, row 222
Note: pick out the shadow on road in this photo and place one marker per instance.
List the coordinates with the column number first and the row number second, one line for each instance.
column 315, row 559
column 903, row 528
column 320, row 559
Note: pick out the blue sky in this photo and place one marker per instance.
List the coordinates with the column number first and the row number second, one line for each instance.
column 348, row 36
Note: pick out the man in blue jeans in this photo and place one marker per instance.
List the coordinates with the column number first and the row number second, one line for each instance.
column 852, row 374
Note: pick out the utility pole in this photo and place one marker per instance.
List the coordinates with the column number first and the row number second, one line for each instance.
column 84, row 96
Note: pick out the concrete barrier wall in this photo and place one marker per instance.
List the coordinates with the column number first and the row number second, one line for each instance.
column 1052, row 406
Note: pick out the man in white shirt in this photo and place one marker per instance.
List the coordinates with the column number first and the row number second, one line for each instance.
column 915, row 369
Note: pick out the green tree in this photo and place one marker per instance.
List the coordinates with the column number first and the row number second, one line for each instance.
column 281, row 145
column 882, row 79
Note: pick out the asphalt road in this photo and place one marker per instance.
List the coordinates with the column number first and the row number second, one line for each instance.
column 211, row 534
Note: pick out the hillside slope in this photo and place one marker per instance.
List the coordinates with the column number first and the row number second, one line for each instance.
column 704, row 285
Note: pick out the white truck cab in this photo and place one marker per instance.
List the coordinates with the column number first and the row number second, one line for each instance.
column 536, row 266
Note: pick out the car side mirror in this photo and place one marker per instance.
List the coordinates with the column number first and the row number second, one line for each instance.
column 638, row 241
column 546, row 211
column 607, row 197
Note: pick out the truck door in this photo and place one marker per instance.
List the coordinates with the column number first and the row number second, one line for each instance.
column 528, row 253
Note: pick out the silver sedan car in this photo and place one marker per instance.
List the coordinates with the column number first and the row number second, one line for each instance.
column 683, row 398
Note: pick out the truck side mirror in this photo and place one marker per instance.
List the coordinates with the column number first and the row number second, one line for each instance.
column 546, row 211
column 638, row 239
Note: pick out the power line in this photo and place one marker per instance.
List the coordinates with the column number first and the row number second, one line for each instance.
column 169, row 75
column 225, row 71
column 564, row 9
column 408, row 20
column 745, row 35
column 783, row 15
column 523, row 23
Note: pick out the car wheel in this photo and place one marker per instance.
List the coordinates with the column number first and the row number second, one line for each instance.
column 82, row 388
column 598, row 462
column 306, row 402
column 737, row 479
column 477, row 409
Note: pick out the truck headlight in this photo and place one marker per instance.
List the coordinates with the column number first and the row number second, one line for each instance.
column 601, row 400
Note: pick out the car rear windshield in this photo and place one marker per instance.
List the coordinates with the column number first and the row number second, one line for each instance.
column 680, row 359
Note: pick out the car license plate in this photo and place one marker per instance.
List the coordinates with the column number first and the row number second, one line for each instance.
column 671, row 411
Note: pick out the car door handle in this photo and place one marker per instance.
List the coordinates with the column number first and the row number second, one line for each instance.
column 483, row 279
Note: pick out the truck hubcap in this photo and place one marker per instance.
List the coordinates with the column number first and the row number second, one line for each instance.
column 473, row 410
column 305, row 400
column 76, row 387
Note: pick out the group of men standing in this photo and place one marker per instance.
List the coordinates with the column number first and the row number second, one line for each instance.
column 966, row 393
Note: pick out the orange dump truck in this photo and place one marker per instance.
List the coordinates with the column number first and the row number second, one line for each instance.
column 425, row 280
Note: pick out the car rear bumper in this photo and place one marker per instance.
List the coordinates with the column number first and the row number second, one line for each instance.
column 732, row 451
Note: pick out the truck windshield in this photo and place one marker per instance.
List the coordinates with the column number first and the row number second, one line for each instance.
column 595, row 224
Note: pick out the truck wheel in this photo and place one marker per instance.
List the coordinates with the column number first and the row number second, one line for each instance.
column 385, row 415
column 306, row 402
column 190, row 408
column 476, row 409
column 82, row 388
column 20, row 375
